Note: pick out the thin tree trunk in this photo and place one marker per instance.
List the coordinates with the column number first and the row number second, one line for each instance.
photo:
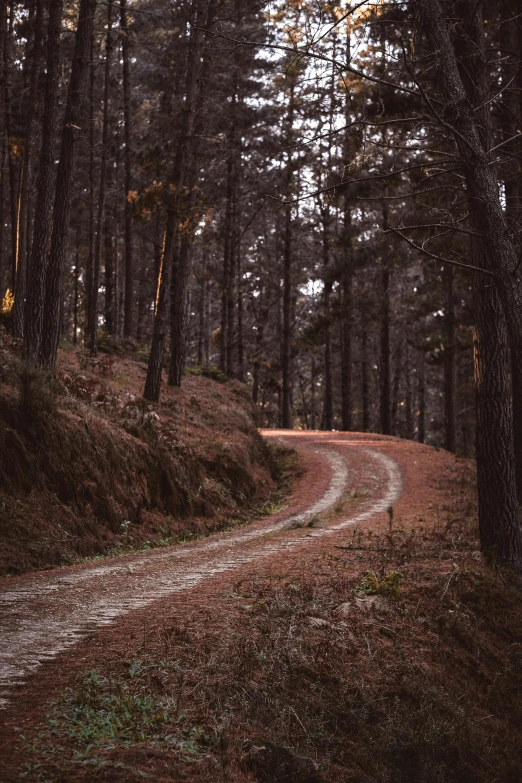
column 92, row 226
column 313, row 415
column 76, row 285
column 449, row 362
column 346, row 322
column 192, row 129
column 396, row 390
column 327, row 291
column 3, row 165
column 421, row 416
column 408, row 412
column 129, row 209
column 160, row 331
column 385, row 403
column 3, row 153
column 31, row 105
column 71, row 126
column 93, row 315
column 286, row 352
column 8, row 122
column 365, row 384
column 347, row 269
column 44, row 192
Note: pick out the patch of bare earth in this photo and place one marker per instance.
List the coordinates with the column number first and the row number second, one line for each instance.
column 382, row 651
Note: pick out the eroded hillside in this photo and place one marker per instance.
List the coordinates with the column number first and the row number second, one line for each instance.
column 88, row 468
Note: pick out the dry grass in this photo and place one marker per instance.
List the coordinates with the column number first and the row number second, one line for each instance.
column 418, row 685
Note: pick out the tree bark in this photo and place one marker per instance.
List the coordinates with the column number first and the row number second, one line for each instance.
column 286, row 348
column 421, row 392
column 31, row 104
column 462, row 73
column 498, row 510
column 93, row 314
column 365, row 385
column 449, row 362
column 172, row 255
column 8, row 123
column 129, row 209
column 192, row 128
column 71, row 126
column 384, row 369
column 327, row 291
column 44, row 193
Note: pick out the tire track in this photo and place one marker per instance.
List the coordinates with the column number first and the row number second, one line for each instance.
column 46, row 615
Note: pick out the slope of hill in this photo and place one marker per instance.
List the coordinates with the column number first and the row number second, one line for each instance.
column 88, row 468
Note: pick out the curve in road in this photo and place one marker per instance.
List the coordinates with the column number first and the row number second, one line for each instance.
column 43, row 614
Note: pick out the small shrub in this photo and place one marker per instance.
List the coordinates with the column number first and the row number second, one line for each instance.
column 213, row 372
column 389, row 586
column 37, row 388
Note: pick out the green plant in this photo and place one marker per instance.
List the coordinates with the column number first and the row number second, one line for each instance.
column 101, row 711
column 213, row 372
column 389, row 586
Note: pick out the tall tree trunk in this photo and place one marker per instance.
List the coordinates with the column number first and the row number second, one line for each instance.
column 421, row 393
column 286, row 348
column 171, row 254
column 129, row 209
column 31, row 106
column 8, row 124
column 192, row 129
column 3, row 164
column 498, row 511
column 396, row 390
column 76, row 284
column 93, row 315
column 239, row 288
column 365, row 384
column 463, row 79
column 313, row 413
column 327, row 291
column 346, row 322
column 384, row 368
column 513, row 188
column 71, row 127
column 347, row 268
column 408, row 412
column 44, row 192
column 92, row 225
column 159, row 335
column 3, row 141
column 449, row 362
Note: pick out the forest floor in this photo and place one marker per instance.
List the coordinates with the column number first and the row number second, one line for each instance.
column 356, row 635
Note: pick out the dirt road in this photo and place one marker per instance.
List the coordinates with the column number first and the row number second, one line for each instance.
column 349, row 480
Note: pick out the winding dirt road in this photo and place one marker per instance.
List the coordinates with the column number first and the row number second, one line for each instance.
column 350, row 480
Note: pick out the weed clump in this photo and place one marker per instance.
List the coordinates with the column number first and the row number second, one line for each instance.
column 389, row 586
